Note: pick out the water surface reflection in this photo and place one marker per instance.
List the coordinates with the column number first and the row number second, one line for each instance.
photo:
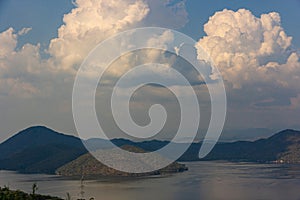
column 203, row 181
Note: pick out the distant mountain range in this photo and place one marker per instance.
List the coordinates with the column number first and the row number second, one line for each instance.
column 41, row 150
column 282, row 147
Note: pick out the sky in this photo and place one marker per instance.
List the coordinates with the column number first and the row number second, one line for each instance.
column 254, row 44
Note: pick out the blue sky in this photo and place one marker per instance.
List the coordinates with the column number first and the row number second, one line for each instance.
column 43, row 16
column 261, row 72
column 46, row 16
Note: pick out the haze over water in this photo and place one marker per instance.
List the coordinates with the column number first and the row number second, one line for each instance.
column 203, row 181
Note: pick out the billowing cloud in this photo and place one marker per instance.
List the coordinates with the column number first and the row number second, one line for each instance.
column 8, row 42
column 18, row 66
column 88, row 24
column 253, row 53
column 93, row 21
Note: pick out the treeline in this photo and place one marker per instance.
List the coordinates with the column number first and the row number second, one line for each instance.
column 7, row 194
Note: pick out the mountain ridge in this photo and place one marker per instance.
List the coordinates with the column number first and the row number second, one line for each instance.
column 37, row 132
column 39, row 149
column 32, row 146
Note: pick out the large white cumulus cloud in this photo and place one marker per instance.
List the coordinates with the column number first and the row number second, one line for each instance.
column 92, row 21
column 23, row 71
column 17, row 67
column 88, row 24
column 252, row 52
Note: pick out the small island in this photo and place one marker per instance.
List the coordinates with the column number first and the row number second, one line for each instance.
column 89, row 167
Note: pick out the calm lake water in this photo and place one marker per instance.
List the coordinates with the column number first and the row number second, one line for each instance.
column 203, row 181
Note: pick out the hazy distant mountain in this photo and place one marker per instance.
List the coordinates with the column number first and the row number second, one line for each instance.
column 284, row 146
column 42, row 150
column 95, row 143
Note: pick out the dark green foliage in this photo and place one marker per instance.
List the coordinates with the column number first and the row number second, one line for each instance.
column 7, row 194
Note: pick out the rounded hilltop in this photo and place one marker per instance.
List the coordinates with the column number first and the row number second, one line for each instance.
column 88, row 166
